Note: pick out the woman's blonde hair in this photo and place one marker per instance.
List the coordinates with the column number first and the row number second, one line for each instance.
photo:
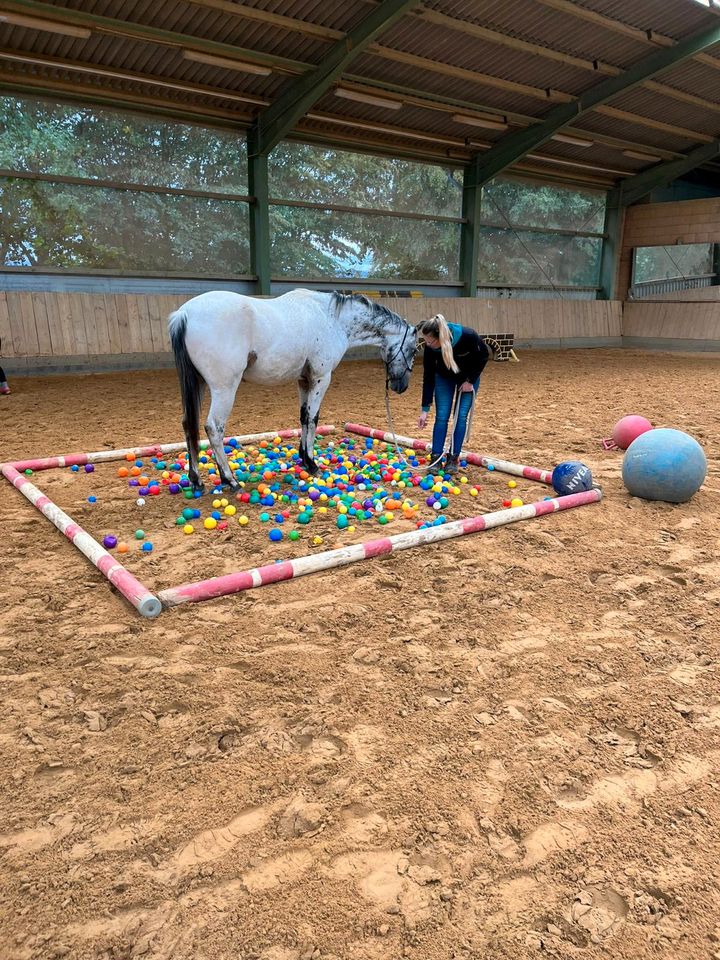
column 438, row 327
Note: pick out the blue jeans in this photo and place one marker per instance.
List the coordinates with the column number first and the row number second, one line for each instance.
column 445, row 391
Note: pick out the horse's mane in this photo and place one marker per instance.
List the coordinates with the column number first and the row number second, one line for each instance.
column 378, row 311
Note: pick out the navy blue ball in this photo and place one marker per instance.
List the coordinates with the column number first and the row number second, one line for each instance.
column 571, row 477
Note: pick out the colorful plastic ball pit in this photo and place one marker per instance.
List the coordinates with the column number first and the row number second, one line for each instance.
column 664, row 464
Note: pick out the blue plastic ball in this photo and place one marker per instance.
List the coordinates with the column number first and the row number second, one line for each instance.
column 275, row 535
column 664, row 465
column 571, row 477
column 75, row 468
column 92, row 499
column 147, row 547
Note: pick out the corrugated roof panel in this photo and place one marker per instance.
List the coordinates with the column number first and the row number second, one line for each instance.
column 677, row 19
column 373, row 67
column 438, row 43
column 530, row 20
column 648, row 103
column 630, row 131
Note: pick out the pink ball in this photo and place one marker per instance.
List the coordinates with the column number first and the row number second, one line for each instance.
column 629, row 429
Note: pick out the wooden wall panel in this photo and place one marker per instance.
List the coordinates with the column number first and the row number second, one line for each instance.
column 80, row 324
column 681, row 321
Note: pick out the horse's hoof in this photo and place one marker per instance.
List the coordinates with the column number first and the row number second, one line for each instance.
column 312, row 468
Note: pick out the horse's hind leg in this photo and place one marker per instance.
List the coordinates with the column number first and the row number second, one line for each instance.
column 221, row 404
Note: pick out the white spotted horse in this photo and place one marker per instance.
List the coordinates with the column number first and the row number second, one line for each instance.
column 221, row 338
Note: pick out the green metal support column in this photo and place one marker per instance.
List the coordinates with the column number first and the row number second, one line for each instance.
column 470, row 230
column 259, row 221
column 610, row 256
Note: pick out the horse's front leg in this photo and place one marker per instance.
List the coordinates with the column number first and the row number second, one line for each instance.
column 309, row 418
column 221, row 405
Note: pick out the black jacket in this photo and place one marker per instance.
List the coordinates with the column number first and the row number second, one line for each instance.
column 470, row 353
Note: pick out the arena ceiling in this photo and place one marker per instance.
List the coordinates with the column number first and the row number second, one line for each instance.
column 596, row 91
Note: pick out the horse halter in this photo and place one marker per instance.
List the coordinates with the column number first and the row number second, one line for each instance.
column 399, row 351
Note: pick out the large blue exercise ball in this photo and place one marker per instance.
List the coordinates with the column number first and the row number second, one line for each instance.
column 572, row 476
column 665, row 465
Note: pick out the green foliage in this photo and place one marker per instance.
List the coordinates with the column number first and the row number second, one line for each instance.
column 80, row 227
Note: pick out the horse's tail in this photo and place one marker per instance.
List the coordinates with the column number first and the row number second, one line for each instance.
column 191, row 383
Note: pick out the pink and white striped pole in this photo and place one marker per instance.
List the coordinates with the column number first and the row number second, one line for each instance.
column 154, row 450
column 145, row 602
column 503, row 466
column 329, row 559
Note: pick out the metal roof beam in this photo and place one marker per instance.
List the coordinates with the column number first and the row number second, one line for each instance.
column 516, row 145
column 637, row 187
column 280, row 118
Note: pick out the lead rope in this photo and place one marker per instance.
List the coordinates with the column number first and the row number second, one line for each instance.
column 448, row 448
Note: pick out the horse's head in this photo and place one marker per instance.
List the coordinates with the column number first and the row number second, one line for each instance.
column 398, row 351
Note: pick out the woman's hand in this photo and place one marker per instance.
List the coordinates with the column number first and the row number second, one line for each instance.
column 466, row 388
column 422, row 420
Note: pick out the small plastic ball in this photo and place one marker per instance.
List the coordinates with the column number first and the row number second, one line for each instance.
column 243, row 521
column 275, row 535
column 210, row 523
column 109, row 542
column 437, row 505
column 217, row 504
column 139, row 534
column 264, row 517
column 490, row 466
column 147, row 547
column 92, row 499
column 230, row 510
column 75, row 468
column 342, row 522
column 512, row 484
column 89, row 468
column 473, row 492
column 140, row 502
column 123, row 472
column 188, row 513
column 516, row 502
column 188, row 528
column 463, row 479
column 196, row 514
column 123, row 548
column 294, row 535
column 629, row 428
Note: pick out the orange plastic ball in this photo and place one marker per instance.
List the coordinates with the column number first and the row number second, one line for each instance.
column 134, row 471
column 123, row 472
column 122, row 548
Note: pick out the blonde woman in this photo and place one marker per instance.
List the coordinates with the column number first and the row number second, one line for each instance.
column 453, row 360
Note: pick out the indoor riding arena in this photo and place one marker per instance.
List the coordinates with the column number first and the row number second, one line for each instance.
column 418, row 658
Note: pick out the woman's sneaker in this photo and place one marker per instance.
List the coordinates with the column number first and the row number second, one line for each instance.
column 4, row 389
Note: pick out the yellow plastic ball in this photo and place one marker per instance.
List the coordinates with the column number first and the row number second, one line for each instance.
column 243, row 521
column 217, row 504
column 389, row 515
column 323, row 497
column 188, row 528
column 512, row 484
column 437, row 488
column 230, row 510
column 463, row 479
column 473, row 492
column 351, row 529
column 342, row 508
column 210, row 523
column 516, row 502
column 456, row 490
column 223, row 502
